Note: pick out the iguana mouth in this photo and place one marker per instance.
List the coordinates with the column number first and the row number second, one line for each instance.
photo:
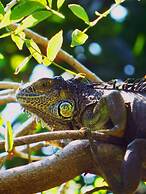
column 24, row 97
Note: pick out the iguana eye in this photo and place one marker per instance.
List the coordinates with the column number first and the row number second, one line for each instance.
column 44, row 84
column 66, row 109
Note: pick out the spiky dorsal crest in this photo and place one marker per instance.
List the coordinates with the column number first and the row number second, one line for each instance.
column 136, row 86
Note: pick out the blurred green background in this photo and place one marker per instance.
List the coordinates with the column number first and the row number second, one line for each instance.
column 116, row 48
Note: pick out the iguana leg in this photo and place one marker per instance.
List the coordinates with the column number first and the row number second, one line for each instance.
column 132, row 165
column 114, row 103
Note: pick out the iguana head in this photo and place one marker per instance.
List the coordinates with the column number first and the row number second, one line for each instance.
column 59, row 103
column 51, row 99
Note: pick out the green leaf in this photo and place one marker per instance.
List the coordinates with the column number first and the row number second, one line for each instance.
column 118, row 1
column 54, row 46
column 32, row 20
column 100, row 182
column 24, row 62
column 18, row 39
column 34, row 50
column 79, row 12
column 60, row 3
column 24, row 9
column 1, row 8
column 44, row 2
column 78, row 38
column 1, row 121
column 50, row 3
column 9, row 138
column 5, row 35
column 20, row 11
column 6, row 20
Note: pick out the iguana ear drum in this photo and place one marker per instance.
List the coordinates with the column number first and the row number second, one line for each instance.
column 66, row 109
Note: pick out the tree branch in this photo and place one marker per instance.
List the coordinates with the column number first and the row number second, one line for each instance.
column 52, row 172
column 9, row 85
column 73, row 160
column 65, row 134
column 6, row 99
column 26, row 128
column 6, row 92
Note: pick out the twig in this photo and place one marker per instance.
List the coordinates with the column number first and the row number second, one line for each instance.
column 66, row 134
column 7, row 99
column 34, row 147
column 22, row 152
column 10, row 5
column 27, row 157
column 9, row 85
column 78, row 66
column 29, row 126
column 6, row 95
column 101, row 16
column 6, row 92
column 26, row 128
column 62, row 55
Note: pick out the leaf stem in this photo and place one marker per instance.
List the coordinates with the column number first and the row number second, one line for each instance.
column 94, row 22
column 10, row 5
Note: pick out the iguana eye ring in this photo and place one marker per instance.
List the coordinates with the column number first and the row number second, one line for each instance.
column 66, row 109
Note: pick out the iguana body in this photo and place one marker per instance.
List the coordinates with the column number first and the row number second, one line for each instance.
column 73, row 104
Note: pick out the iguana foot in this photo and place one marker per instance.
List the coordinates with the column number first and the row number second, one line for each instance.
column 115, row 131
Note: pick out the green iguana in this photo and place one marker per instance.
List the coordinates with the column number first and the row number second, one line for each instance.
column 116, row 110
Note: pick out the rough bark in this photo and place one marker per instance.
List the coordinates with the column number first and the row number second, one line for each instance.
column 73, row 160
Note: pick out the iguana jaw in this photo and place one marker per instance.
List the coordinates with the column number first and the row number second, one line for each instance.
column 28, row 99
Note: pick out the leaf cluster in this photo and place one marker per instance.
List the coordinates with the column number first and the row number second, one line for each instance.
column 29, row 13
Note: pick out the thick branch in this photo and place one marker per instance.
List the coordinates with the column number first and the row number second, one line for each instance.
column 70, row 162
column 73, row 160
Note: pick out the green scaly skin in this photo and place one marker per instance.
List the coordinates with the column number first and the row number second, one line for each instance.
column 74, row 104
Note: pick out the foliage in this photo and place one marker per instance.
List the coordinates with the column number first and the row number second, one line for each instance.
column 9, row 138
column 30, row 13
